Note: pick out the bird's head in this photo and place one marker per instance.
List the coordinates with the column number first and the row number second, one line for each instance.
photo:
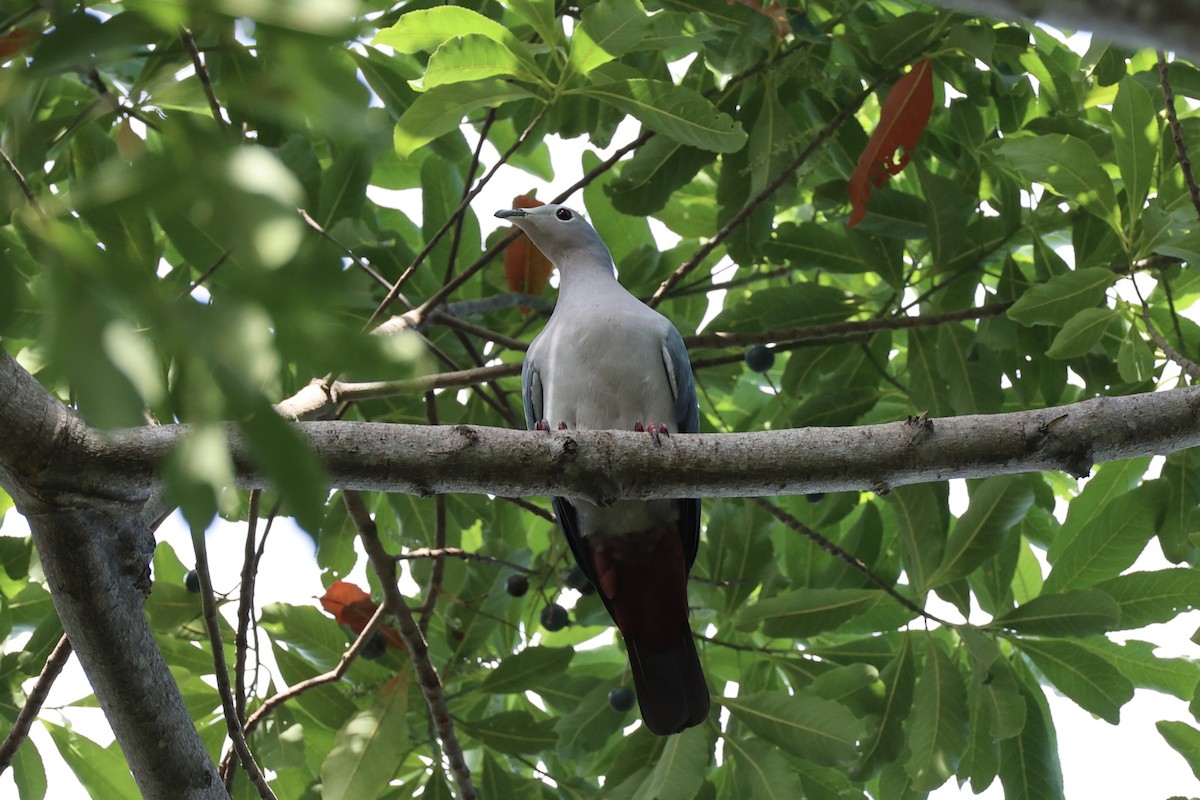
column 561, row 233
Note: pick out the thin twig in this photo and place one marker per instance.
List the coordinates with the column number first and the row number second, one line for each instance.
column 418, row 650
column 829, row 547
column 20, row 179
column 1181, row 153
column 189, row 44
column 460, row 220
column 1186, row 364
column 233, row 723
column 440, row 553
column 221, row 259
column 245, row 606
column 33, row 704
column 532, row 508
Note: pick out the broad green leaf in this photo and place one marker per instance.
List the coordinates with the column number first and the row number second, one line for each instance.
column 922, row 515
column 1080, row 674
column 1062, row 297
column 937, row 725
column 1070, row 167
column 439, row 111
column 1146, row 598
column 1029, row 767
column 680, row 769
column 1185, row 739
column 473, row 57
column 28, row 773
column 288, row 460
column 589, row 723
column 1109, row 544
column 760, row 772
column 1082, row 332
column 512, row 732
column 493, row 780
column 526, row 670
column 970, row 371
column 1135, row 138
column 367, row 748
column 996, row 505
column 820, row 730
column 805, row 612
column 1109, row 482
column 540, row 16
column 1135, row 359
column 103, row 771
column 813, row 246
column 674, row 111
column 1137, row 662
column 607, row 30
column 1083, row 612
column 428, row 29
column 885, row 737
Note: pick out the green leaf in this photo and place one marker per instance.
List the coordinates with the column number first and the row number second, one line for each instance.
column 885, row 737
column 103, row 771
column 1069, row 167
column 1091, row 681
column 289, row 461
column 813, row 246
column 923, row 516
column 937, row 725
column 1135, row 138
column 819, row 730
column 1078, row 613
column 1137, row 662
column 674, row 111
column 473, row 57
column 590, row 722
column 1109, row 544
column 996, row 505
column 1146, row 598
column 28, row 773
column 526, row 670
column 607, row 30
column 439, row 111
column 1082, row 332
column 512, row 732
column 681, row 768
column 540, row 16
column 1135, row 359
column 1110, row 481
column 805, row 612
column 759, row 771
column 1062, row 297
column 368, row 747
column 1029, row 767
column 428, row 29
column 1185, row 739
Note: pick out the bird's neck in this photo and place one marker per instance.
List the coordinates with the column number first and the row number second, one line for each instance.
column 585, row 276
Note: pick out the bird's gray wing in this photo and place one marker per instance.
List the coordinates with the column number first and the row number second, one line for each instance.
column 687, row 417
column 531, row 390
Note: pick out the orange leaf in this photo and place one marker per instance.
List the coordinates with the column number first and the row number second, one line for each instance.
column 902, row 120
column 525, row 268
column 353, row 607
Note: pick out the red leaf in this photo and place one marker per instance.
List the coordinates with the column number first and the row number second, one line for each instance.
column 902, row 120
column 353, row 607
column 525, row 268
column 14, row 41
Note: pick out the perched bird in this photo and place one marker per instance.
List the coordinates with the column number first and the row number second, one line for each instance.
column 607, row 361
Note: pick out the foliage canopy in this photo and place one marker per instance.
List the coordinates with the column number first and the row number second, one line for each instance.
column 155, row 261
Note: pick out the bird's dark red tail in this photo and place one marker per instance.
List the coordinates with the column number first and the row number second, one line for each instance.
column 645, row 591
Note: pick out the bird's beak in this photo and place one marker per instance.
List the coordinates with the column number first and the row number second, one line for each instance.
column 505, row 213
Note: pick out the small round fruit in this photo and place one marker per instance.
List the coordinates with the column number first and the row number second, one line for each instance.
column 375, row 647
column 760, row 358
column 815, row 497
column 554, row 617
column 516, row 585
column 191, row 579
column 621, row 698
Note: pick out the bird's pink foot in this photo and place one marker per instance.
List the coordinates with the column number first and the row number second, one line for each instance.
column 542, row 425
column 637, row 427
column 562, row 426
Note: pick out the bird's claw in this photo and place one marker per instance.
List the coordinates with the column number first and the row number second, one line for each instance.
column 656, row 431
column 542, row 425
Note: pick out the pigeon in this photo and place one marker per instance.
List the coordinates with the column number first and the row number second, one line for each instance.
column 607, row 361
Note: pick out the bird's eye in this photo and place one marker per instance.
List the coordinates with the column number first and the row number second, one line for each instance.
column 564, row 214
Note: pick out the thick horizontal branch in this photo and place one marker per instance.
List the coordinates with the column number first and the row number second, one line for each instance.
column 606, row 465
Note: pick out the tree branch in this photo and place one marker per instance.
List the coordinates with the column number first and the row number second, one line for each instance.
column 33, row 704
